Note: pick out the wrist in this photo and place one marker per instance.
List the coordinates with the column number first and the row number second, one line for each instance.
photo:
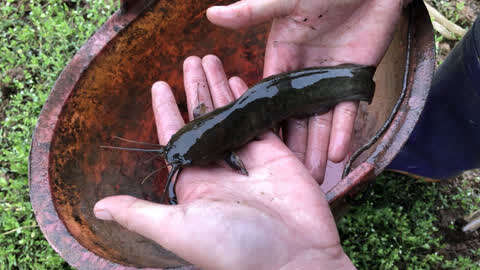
column 330, row 258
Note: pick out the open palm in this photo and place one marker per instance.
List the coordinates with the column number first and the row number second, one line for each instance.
column 277, row 217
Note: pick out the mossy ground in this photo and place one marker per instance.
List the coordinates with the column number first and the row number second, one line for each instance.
column 37, row 38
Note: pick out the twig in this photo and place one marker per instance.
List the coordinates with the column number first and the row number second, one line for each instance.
column 473, row 222
column 19, row 228
column 472, row 225
column 446, row 28
column 443, row 31
column 473, row 215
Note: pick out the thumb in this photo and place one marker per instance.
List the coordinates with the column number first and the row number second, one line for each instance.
column 158, row 222
column 249, row 12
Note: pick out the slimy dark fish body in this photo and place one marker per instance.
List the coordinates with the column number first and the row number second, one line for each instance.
column 214, row 135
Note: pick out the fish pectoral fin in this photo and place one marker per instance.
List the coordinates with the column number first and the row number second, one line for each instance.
column 171, row 184
column 234, row 161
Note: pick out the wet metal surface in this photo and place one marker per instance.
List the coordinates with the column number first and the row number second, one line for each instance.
column 105, row 92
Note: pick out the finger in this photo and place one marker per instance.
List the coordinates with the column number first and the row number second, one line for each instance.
column 249, row 12
column 196, row 85
column 343, row 122
column 173, row 227
column 217, row 81
column 281, row 57
column 296, row 134
column 167, row 116
column 163, row 224
column 149, row 219
column 238, row 86
column 319, row 127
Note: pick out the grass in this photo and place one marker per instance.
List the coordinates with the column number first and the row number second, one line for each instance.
column 397, row 226
column 37, row 38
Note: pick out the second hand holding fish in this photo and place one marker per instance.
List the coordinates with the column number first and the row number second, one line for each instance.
column 309, row 33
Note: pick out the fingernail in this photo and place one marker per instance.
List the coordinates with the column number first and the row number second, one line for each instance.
column 238, row 3
column 159, row 84
column 216, row 9
column 338, row 148
column 103, row 214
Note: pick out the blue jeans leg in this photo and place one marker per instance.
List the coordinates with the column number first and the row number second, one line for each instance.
column 446, row 139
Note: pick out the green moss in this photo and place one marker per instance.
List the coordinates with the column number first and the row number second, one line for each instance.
column 37, row 38
column 396, row 227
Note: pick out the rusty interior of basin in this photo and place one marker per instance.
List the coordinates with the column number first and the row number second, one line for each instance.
column 105, row 92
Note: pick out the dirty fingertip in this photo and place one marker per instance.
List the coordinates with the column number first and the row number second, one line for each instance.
column 213, row 11
column 100, row 211
column 216, row 15
column 160, row 86
column 211, row 59
column 161, row 92
column 236, row 80
column 238, row 86
column 103, row 207
column 192, row 62
column 338, row 147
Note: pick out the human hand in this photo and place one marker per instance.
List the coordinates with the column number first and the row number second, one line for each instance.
column 275, row 218
column 308, row 33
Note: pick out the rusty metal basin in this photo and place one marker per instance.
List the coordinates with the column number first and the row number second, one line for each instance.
column 105, row 91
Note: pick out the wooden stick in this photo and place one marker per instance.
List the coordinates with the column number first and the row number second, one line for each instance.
column 443, row 31
column 473, row 222
column 472, row 225
column 446, row 28
column 19, row 228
